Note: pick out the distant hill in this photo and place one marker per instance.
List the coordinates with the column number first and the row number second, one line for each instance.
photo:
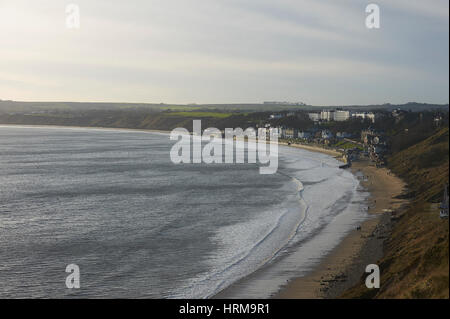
column 17, row 106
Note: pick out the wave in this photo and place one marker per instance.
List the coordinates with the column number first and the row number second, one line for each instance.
column 261, row 252
column 326, row 220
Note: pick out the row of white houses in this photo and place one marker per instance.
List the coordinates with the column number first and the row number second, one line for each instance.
column 340, row 115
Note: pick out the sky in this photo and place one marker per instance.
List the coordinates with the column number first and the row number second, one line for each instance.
column 225, row 51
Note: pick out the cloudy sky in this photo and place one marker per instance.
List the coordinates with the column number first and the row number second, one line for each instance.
column 225, row 51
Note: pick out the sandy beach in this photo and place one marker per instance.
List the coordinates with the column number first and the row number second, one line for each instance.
column 318, row 149
column 345, row 265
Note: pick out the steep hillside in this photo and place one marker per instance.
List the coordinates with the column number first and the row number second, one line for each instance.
column 416, row 259
column 424, row 166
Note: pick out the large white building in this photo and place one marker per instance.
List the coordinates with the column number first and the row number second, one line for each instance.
column 326, row 115
column 365, row 115
column 340, row 115
column 314, row 116
column 330, row 115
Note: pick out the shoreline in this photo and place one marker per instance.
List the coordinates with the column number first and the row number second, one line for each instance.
column 85, row 127
column 343, row 267
column 336, row 154
column 313, row 148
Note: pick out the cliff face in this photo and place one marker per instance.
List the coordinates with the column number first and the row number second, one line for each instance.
column 416, row 257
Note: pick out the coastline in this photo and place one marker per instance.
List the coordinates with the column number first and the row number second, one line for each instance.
column 87, row 127
column 334, row 153
column 331, row 152
column 343, row 267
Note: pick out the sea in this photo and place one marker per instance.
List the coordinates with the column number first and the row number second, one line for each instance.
column 138, row 225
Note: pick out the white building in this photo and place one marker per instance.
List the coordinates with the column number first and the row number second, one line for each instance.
column 330, row 115
column 340, row 115
column 365, row 115
column 291, row 133
column 314, row 116
column 326, row 115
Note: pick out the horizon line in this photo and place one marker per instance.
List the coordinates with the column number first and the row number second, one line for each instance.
column 229, row 103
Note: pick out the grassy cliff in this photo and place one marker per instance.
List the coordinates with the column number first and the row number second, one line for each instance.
column 416, row 258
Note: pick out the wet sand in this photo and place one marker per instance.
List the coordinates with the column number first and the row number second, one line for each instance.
column 312, row 148
column 345, row 265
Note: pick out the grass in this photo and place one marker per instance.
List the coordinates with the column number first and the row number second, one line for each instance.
column 416, row 259
column 347, row 145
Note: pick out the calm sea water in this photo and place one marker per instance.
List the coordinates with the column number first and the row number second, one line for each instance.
column 139, row 226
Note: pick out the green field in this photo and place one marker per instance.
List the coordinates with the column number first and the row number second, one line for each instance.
column 347, row 145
